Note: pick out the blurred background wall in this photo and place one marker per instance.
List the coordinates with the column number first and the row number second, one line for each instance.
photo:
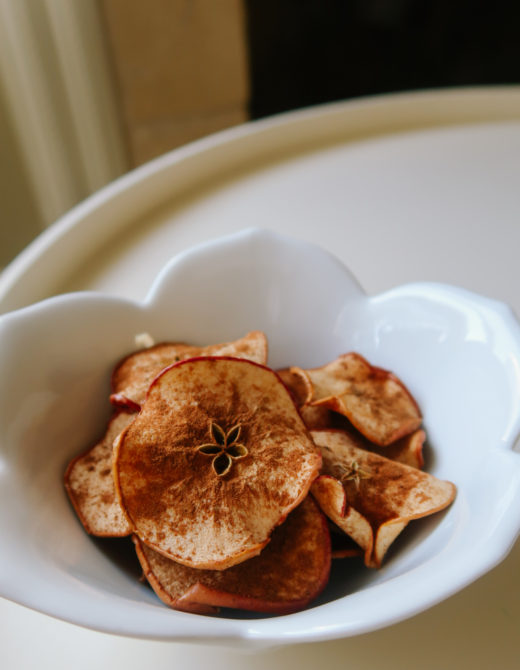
column 92, row 88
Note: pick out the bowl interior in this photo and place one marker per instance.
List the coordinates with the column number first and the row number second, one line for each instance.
column 457, row 353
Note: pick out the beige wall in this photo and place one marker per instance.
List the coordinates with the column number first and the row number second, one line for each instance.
column 90, row 89
column 20, row 218
column 60, row 129
column 181, row 68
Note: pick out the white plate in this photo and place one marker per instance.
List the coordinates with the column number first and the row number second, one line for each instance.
column 399, row 187
column 422, row 186
column 458, row 353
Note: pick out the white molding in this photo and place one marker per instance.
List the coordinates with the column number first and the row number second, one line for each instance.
column 60, row 100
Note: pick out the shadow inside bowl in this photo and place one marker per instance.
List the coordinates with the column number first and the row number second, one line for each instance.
column 121, row 552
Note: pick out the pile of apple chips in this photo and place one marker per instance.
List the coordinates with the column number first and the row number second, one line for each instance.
column 232, row 478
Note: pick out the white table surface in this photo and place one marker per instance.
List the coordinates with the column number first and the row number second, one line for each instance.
column 401, row 188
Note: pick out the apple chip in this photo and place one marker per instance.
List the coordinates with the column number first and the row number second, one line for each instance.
column 343, row 546
column 299, row 385
column 315, row 417
column 290, row 572
column 134, row 374
column 371, row 497
column 90, row 485
column 215, row 460
column 374, row 400
column 407, row 450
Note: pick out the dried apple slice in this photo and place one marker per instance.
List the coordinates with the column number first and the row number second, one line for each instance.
column 90, row 485
column 299, row 385
column 342, row 545
column 315, row 417
column 217, row 457
column 331, row 497
column 290, row 572
column 133, row 375
column 374, row 400
column 407, row 450
column 371, row 497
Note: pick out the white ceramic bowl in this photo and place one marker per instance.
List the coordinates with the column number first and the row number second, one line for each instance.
column 458, row 353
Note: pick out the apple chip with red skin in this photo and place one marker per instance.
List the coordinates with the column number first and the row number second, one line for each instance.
column 290, row 572
column 342, row 545
column 371, row 497
column 374, row 400
column 134, row 374
column 298, row 384
column 314, row 417
column 407, row 449
column 90, row 485
column 215, row 460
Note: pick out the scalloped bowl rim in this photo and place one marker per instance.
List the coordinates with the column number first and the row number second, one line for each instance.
column 401, row 329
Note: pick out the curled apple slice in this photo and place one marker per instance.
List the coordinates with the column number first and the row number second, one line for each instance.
column 371, row 497
column 342, row 545
column 407, row 450
column 290, row 572
column 298, row 384
column 90, row 485
column 374, row 400
column 134, row 374
column 315, row 417
column 215, row 460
